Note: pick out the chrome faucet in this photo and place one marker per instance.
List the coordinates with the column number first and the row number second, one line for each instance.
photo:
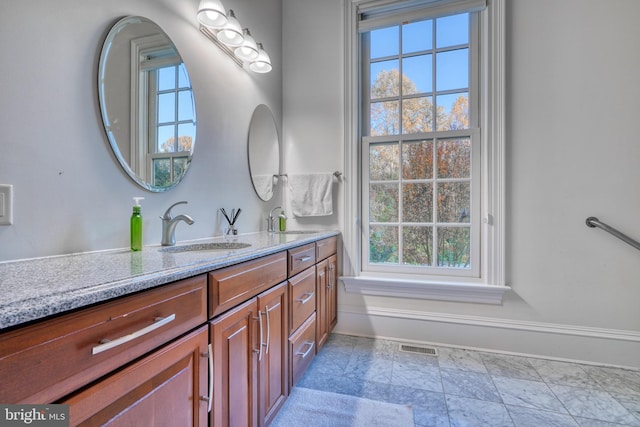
column 169, row 225
column 270, row 220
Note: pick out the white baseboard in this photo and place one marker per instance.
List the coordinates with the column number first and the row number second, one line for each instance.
column 534, row 339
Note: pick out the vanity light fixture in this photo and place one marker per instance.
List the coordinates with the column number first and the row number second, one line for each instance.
column 224, row 30
column 212, row 14
column 262, row 64
column 248, row 50
column 231, row 33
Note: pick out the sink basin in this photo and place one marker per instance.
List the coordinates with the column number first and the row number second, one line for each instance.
column 206, row 247
column 297, row 232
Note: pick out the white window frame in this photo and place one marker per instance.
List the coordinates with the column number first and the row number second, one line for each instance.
column 489, row 285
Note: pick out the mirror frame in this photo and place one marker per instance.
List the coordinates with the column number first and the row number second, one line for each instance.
column 263, row 130
column 102, row 98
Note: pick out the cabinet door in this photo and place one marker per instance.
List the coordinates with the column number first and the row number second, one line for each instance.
column 273, row 360
column 327, row 299
column 169, row 388
column 332, row 293
column 235, row 355
column 322, row 300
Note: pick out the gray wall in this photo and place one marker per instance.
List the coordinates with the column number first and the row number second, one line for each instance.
column 70, row 193
column 573, row 100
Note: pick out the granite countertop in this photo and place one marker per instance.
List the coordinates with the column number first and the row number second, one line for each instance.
column 36, row 288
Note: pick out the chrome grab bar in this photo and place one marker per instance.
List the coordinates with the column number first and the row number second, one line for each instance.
column 593, row 222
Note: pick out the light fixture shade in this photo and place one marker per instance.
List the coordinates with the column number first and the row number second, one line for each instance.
column 211, row 13
column 248, row 50
column 262, row 64
column 231, row 33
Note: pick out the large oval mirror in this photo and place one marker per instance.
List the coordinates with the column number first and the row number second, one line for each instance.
column 264, row 152
column 147, row 103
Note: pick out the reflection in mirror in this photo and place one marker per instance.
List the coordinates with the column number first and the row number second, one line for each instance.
column 264, row 152
column 147, row 103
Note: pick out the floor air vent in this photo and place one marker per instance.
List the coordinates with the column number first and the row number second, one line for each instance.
column 429, row 351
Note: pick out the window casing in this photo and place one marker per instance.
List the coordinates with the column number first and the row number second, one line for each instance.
column 412, row 273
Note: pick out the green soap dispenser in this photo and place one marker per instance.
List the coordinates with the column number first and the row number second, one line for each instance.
column 136, row 226
column 282, row 221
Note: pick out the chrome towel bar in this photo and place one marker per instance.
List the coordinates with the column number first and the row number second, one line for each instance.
column 593, row 222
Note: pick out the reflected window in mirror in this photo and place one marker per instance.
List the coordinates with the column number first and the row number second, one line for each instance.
column 165, row 115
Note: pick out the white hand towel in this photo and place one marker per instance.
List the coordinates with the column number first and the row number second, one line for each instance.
column 311, row 194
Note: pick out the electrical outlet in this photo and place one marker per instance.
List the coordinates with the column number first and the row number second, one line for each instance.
column 6, row 204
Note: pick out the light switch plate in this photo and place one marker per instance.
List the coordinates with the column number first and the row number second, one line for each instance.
column 6, row 204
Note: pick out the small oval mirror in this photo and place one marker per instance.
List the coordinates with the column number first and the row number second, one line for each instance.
column 147, row 104
column 264, row 152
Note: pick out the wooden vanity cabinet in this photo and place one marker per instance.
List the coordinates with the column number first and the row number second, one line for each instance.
column 250, row 347
column 144, row 359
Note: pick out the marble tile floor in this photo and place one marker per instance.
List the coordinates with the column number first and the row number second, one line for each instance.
column 461, row 387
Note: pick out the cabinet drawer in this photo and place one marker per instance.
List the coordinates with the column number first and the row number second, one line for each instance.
column 233, row 285
column 302, row 297
column 72, row 350
column 301, row 258
column 168, row 386
column 326, row 247
column 302, row 345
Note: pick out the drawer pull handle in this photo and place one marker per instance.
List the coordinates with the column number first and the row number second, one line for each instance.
column 266, row 311
column 209, row 398
column 305, row 300
column 106, row 344
column 304, row 258
column 306, row 353
column 261, row 344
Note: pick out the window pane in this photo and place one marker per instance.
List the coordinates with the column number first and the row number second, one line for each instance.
column 452, row 30
column 185, row 105
column 179, row 166
column 161, row 172
column 383, row 202
column 384, row 42
column 453, row 111
column 167, row 78
column 454, row 247
column 417, row 74
column 183, row 77
column 166, row 107
column 417, row 115
column 454, row 158
column 383, row 244
column 186, row 135
column 454, row 202
column 417, row 202
column 166, row 139
column 417, row 160
column 452, row 69
column 385, row 80
column 385, row 118
column 417, row 36
column 417, row 245
column 384, row 162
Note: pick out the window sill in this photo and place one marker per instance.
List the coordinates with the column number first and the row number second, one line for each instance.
column 403, row 288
